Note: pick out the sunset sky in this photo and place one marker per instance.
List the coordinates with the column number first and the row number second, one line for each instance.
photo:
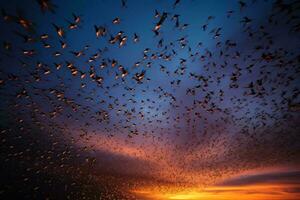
column 150, row 100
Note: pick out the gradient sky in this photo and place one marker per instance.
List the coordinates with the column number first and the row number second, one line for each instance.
column 216, row 113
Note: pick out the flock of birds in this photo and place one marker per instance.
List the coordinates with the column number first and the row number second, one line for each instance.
column 188, row 98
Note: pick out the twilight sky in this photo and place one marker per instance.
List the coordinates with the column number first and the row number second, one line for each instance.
column 150, row 99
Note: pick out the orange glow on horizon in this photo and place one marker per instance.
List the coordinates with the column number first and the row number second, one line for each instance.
column 253, row 192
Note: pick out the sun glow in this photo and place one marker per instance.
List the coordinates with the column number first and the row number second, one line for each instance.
column 254, row 192
column 191, row 195
column 164, row 193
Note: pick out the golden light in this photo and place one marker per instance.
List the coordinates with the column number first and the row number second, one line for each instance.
column 254, row 192
column 191, row 195
column 170, row 193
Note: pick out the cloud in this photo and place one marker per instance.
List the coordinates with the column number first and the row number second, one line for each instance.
column 291, row 177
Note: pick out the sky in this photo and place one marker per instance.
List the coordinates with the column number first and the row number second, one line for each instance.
column 150, row 99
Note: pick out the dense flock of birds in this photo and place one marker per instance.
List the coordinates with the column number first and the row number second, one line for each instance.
column 238, row 97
